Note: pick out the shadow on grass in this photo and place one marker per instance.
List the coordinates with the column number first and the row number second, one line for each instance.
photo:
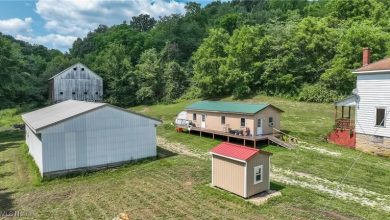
column 10, row 139
column 276, row 186
column 3, row 162
column 5, row 174
column 163, row 153
column 6, row 201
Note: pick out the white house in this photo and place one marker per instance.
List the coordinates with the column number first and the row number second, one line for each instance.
column 371, row 100
column 74, row 135
column 77, row 82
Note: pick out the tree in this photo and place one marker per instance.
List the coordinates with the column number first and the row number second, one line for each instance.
column 175, row 81
column 149, row 75
column 142, row 22
column 208, row 60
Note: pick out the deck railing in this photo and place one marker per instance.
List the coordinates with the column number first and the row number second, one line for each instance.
column 344, row 123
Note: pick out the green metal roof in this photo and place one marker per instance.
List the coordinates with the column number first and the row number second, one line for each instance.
column 234, row 107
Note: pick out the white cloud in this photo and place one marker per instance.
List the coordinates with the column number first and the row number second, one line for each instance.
column 75, row 17
column 15, row 26
column 61, row 42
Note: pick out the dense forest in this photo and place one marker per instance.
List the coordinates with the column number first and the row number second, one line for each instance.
column 302, row 49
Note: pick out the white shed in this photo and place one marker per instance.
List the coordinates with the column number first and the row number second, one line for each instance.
column 74, row 135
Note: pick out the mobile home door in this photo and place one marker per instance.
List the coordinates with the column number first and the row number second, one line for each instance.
column 259, row 129
column 203, row 123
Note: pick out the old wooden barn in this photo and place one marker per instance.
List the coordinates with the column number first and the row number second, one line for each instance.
column 77, row 135
column 77, row 82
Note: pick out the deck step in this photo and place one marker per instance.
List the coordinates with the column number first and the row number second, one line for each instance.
column 280, row 142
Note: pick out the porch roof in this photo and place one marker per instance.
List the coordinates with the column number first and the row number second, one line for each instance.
column 347, row 101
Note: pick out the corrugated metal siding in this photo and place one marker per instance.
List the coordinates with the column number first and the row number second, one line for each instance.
column 374, row 91
column 85, row 84
column 34, row 147
column 103, row 136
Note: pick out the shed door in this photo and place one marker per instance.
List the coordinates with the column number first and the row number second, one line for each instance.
column 203, row 123
column 259, row 129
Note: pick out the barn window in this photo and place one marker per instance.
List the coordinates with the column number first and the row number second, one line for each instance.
column 61, row 93
column 82, row 69
column 74, row 68
column 380, row 117
column 96, row 93
column 242, row 122
column 194, row 117
column 258, row 174
column 73, row 93
column 85, row 93
column 223, row 119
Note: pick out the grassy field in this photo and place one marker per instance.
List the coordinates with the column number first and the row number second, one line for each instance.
column 316, row 180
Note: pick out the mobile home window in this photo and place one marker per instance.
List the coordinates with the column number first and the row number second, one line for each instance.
column 271, row 121
column 380, row 117
column 242, row 122
column 259, row 122
column 258, row 174
column 194, row 117
column 223, row 119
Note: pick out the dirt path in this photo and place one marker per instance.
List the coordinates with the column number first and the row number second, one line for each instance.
column 333, row 188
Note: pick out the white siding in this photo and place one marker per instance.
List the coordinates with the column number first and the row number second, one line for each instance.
column 103, row 136
column 34, row 148
column 373, row 91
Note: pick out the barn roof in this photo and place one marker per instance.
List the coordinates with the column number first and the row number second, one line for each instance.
column 231, row 107
column 62, row 111
column 236, row 152
column 76, row 64
column 381, row 65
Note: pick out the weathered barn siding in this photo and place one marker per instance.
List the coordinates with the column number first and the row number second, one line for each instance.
column 34, row 147
column 373, row 90
column 259, row 159
column 76, row 83
column 103, row 136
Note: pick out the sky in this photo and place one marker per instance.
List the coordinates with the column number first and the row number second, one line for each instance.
column 57, row 23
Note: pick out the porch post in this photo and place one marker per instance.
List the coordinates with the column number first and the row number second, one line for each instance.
column 349, row 112
column 342, row 111
column 244, row 142
column 254, row 144
column 335, row 113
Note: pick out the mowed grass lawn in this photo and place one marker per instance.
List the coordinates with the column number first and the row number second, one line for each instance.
column 316, row 180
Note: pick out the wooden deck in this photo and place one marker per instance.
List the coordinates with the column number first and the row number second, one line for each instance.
column 253, row 139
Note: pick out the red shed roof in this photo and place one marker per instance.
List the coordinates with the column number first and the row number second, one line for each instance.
column 236, row 151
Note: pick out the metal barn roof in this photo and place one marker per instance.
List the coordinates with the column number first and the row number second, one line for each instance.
column 62, row 111
column 233, row 107
column 236, row 152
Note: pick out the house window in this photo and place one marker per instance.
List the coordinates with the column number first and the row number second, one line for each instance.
column 203, row 117
column 82, row 69
column 61, row 93
column 75, row 68
column 258, row 174
column 223, row 119
column 85, row 93
column 194, row 117
column 380, row 117
column 96, row 93
column 242, row 122
column 73, row 93
column 271, row 121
